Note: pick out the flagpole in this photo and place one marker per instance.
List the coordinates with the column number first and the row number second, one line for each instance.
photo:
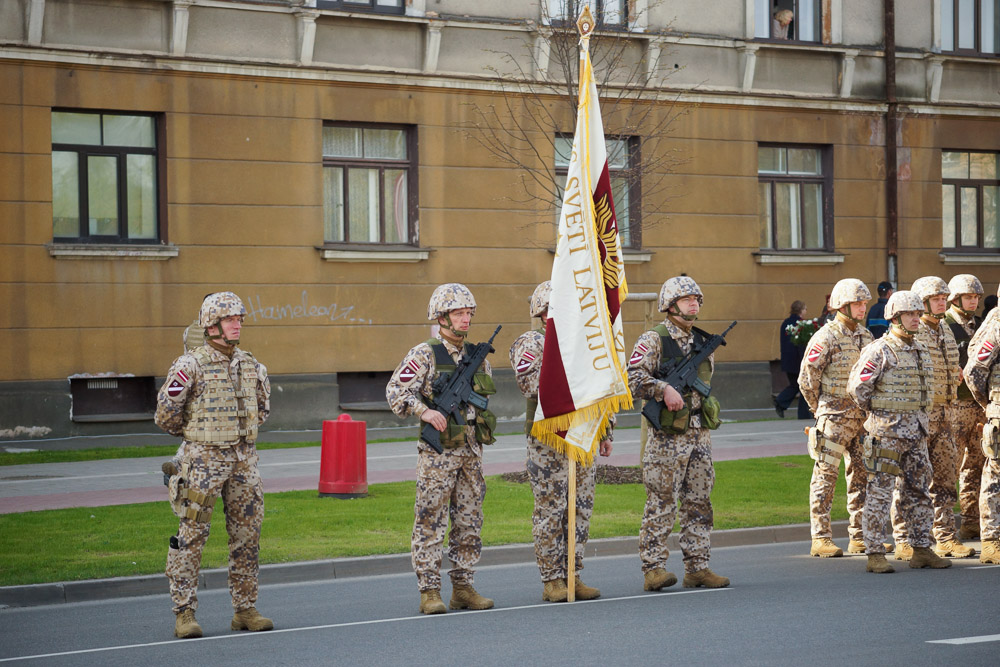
column 585, row 24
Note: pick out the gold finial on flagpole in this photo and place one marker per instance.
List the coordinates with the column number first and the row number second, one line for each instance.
column 585, row 24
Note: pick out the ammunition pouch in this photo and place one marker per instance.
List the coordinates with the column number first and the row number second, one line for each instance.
column 710, row 413
column 824, row 450
column 991, row 439
column 675, row 422
column 486, row 424
column 880, row 459
column 453, row 436
column 188, row 503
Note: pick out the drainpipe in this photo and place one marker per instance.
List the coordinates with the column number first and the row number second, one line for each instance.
column 891, row 129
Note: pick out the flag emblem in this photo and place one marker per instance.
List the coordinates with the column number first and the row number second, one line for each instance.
column 174, row 388
column 868, row 371
column 182, row 376
column 814, row 353
column 637, row 354
column 409, row 371
column 985, row 350
column 525, row 362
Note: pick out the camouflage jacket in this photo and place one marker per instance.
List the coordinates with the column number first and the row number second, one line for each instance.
column 982, row 363
column 875, row 361
column 834, row 341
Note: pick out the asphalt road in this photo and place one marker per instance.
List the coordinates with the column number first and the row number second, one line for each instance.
column 784, row 608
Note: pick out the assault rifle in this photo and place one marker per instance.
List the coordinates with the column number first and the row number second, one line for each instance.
column 682, row 374
column 453, row 393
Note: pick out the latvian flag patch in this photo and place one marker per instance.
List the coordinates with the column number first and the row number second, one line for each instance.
column 814, row 353
column 638, row 354
column 868, row 371
column 409, row 371
column 525, row 362
column 177, row 384
column 985, row 350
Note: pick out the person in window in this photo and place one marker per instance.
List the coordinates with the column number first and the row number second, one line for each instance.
column 876, row 321
column 791, row 359
column 780, row 22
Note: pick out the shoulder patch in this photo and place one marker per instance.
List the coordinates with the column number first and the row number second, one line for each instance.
column 868, row 371
column 814, row 353
column 638, row 354
column 985, row 350
column 524, row 363
column 410, row 371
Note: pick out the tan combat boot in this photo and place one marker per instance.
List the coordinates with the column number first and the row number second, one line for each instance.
column 855, row 547
column 658, row 578
column 585, row 592
column 953, row 548
column 924, row 557
column 706, row 578
column 825, row 548
column 555, row 591
column 968, row 531
column 431, row 602
column 904, row 551
column 185, row 626
column 250, row 619
column 878, row 564
column 464, row 596
column 990, row 552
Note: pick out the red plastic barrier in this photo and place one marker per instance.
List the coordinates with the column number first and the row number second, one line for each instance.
column 343, row 462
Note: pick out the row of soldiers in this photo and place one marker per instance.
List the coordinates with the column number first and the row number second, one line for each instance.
column 907, row 412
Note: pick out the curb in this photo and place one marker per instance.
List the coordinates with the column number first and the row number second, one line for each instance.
column 34, row 595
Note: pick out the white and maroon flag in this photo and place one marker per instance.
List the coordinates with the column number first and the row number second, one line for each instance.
column 583, row 380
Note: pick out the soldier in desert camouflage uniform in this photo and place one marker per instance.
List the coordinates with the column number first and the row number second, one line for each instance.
column 215, row 397
column 940, row 342
column 548, row 472
column 449, row 484
column 964, row 293
column 982, row 373
column 839, row 429
column 677, row 466
column 892, row 382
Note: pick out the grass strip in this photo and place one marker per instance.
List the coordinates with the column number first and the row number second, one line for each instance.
column 124, row 540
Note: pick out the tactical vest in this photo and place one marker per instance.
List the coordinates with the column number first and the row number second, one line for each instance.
column 677, row 421
column 962, row 339
column 532, row 403
column 944, row 386
column 844, row 353
column 905, row 388
column 453, row 436
column 993, row 408
column 223, row 414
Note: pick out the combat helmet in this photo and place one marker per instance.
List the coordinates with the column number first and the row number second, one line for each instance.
column 540, row 298
column 676, row 288
column 449, row 297
column 927, row 287
column 848, row 290
column 217, row 307
column 904, row 301
column 963, row 283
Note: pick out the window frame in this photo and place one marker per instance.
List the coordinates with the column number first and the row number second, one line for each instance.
column 361, row 6
column 410, row 165
column 84, row 151
column 977, row 28
column 597, row 9
column 633, row 181
column 959, row 184
column 825, row 180
column 772, row 8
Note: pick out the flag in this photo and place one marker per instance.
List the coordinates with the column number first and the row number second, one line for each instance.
column 583, row 379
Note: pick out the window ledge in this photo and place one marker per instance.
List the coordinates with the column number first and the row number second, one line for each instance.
column 637, row 256
column 385, row 254
column 969, row 258
column 111, row 250
column 799, row 258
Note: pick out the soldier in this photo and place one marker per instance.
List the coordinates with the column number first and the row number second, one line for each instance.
column 983, row 377
column 677, row 463
column 964, row 293
column 449, row 484
column 892, row 382
column 215, row 396
column 940, row 444
column 549, row 472
column 830, row 355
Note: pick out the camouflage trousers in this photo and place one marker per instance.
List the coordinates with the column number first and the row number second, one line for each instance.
column 549, row 475
column 915, row 506
column 989, row 501
column 217, row 471
column 677, row 469
column 964, row 415
column 845, row 431
column 944, row 473
column 452, row 487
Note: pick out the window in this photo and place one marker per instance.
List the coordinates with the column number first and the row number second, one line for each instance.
column 609, row 13
column 970, row 26
column 969, row 190
column 369, row 184
column 104, row 178
column 795, row 197
column 623, row 166
column 377, row 6
column 805, row 24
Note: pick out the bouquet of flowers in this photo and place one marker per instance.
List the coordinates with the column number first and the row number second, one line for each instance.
column 803, row 330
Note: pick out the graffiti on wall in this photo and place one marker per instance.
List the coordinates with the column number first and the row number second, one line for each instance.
column 258, row 309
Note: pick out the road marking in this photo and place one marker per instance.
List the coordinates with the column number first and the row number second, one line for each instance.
column 379, row 621
column 967, row 640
